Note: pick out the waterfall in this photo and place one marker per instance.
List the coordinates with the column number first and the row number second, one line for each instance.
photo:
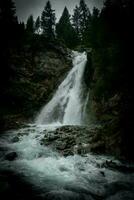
column 32, row 160
column 68, row 103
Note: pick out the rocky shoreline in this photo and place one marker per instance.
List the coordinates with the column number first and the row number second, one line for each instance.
column 69, row 140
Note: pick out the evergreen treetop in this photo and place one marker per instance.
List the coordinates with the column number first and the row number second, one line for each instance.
column 85, row 16
column 48, row 21
column 30, row 24
column 76, row 19
column 37, row 25
column 65, row 31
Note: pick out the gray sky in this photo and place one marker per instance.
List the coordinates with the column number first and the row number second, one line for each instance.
column 35, row 7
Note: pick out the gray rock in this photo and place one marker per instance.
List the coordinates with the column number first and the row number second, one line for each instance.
column 70, row 140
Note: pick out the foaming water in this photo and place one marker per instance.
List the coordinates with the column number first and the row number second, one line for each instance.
column 58, row 177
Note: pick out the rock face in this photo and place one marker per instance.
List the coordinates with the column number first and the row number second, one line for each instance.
column 37, row 73
column 69, row 140
column 104, row 107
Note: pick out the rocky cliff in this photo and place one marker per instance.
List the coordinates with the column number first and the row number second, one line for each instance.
column 35, row 76
column 106, row 108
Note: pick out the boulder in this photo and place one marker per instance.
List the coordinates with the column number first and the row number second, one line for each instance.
column 69, row 140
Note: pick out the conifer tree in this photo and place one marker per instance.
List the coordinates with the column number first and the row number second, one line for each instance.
column 65, row 31
column 76, row 20
column 48, row 21
column 95, row 14
column 85, row 17
column 30, row 24
column 37, row 25
column 92, row 32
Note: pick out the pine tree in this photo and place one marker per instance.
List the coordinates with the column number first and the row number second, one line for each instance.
column 85, row 17
column 48, row 21
column 76, row 20
column 95, row 14
column 92, row 33
column 65, row 31
column 37, row 25
column 30, row 24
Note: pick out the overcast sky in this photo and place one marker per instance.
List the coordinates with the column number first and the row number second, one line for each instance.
column 35, row 7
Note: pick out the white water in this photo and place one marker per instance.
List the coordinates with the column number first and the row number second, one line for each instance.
column 62, row 178
column 68, row 103
column 58, row 177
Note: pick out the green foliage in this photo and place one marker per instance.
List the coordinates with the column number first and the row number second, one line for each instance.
column 65, row 31
column 48, row 21
column 76, row 20
column 30, row 27
column 81, row 20
column 85, row 17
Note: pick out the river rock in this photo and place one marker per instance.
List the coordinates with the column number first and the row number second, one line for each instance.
column 15, row 139
column 124, row 168
column 69, row 140
column 11, row 156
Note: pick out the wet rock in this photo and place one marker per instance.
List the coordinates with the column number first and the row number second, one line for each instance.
column 118, row 166
column 11, row 156
column 15, row 139
column 81, row 148
column 67, row 152
column 61, row 145
column 70, row 140
column 98, row 147
column 102, row 173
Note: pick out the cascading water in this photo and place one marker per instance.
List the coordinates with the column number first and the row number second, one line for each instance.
column 54, row 176
column 67, row 105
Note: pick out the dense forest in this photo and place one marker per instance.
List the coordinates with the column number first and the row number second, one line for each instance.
column 107, row 36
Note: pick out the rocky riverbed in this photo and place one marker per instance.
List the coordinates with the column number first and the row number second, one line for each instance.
column 55, row 162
